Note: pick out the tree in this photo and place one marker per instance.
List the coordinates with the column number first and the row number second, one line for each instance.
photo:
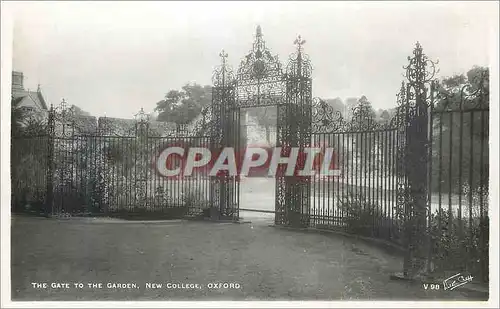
column 461, row 134
column 79, row 112
column 266, row 117
column 362, row 122
column 17, row 117
column 363, row 113
column 183, row 106
column 336, row 104
column 350, row 103
column 384, row 116
column 28, row 155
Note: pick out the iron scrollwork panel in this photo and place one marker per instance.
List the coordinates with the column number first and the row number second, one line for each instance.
column 231, row 127
column 282, row 138
column 216, row 138
column 224, row 133
column 294, row 130
column 415, row 103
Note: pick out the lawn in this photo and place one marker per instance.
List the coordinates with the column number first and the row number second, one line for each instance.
column 261, row 262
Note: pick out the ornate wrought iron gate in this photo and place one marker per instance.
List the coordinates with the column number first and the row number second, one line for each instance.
column 384, row 186
column 388, row 169
column 262, row 81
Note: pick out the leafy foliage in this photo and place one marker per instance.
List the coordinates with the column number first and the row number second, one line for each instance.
column 266, row 117
column 384, row 116
column 365, row 218
column 183, row 106
column 78, row 111
column 28, row 158
column 336, row 104
column 349, row 105
column 17, row 115
column 28, row 171
column 460, row 244
column 462, row 134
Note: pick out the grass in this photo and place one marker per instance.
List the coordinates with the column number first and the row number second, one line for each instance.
column 268, row 263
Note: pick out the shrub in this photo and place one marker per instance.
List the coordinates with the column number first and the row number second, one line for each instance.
column 195, row 199
column 365, row 218
column 68, row 198
column 186, row 198
column 460, row 244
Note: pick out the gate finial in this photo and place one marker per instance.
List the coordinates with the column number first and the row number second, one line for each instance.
column 141, row 116
column 258, row 32
column 223, row 55
column 223, row 74
column 299, row 42
column 420, row 68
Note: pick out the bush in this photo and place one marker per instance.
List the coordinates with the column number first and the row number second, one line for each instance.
column 463, row 244
column 30, row 199
column 159, row 200
column 69, row 198
column 28, row 173
column 195, row 199
column 365, row 218
column 458, row 245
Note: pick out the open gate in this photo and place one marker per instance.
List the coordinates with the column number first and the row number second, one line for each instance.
column 262, row 81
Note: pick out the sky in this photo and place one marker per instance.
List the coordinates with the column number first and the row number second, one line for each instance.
column 112, row 58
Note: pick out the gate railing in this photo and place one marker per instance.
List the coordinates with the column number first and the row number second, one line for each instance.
column 458, row 221
column 420, row 180
column 362, row 196
column 84, row 165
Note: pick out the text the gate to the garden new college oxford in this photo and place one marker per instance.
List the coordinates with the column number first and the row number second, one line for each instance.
column 384, row 189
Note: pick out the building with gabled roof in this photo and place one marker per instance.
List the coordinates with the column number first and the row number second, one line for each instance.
column 29, row 100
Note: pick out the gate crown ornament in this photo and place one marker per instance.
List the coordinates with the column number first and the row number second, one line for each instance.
column 62, row 115
column 63, row 112
column 299, row 42
column 223, row 74
column 420, row 68
column 141, row 116
column 259, row 63
column 223, row 55
column 299, row 64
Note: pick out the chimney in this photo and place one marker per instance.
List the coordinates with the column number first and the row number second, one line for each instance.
column 17, row 81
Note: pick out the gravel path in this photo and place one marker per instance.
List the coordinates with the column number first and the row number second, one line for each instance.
column 261, row 262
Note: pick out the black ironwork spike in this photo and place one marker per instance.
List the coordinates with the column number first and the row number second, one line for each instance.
column 258, row 32
column 223, row 54
column 299, row 41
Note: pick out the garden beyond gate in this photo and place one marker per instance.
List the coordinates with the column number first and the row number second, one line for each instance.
column 418, row 180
